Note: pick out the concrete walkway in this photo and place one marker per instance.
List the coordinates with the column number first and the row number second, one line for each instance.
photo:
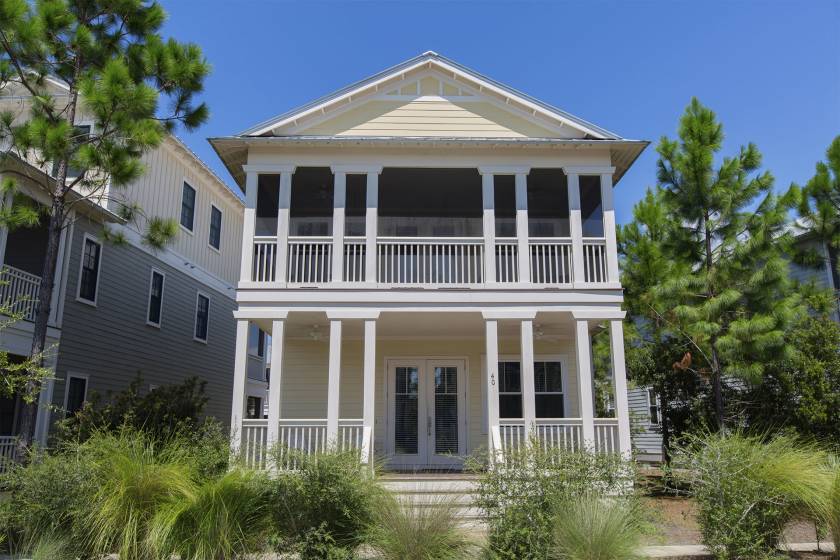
column 699, row 551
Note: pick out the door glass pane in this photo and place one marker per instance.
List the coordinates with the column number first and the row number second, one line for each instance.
column 446, row 410
column 405, row 410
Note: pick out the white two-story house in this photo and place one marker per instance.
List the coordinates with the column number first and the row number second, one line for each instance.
column 430, row 251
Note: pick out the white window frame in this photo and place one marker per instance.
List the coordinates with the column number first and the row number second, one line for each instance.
column 563, row 388
column 210, row 227
column 85, row 238
column 68, row 377
column 656, row 404
column 199, row 295
column 521, row 392
column 181, row 206
column 152, row 273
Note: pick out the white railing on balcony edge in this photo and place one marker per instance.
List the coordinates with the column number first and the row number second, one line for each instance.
column 430, row 261
column 507, row 265
column 594, row 260
column 265, row 259
column 606, row 435
column 560, row 432
column 19, row 291
column 253, row 443
column 551, row 260
column 309, row 260
column 8, row 451
column 354, row 259
column 513, row 435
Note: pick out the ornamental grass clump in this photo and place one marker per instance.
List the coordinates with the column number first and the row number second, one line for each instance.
column 402, row 530
column 748, row 488
column 833, row 504
column 594, row 527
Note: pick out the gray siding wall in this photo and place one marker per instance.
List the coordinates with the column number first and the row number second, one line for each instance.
column 646, row 439
column 111, row 342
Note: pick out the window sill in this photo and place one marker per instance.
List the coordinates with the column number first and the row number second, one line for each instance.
column 86, row 301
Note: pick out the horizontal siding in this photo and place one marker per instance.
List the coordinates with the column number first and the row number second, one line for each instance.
column 429, row 118
column 646, row 438
column 111, row 342
column 305, row 375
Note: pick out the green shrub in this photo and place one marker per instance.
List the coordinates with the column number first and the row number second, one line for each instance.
column 223, row 519
column 747, row 489
column 404, row 531
column 329, row 492
column 48, row 496
column 519, row 497
column 317, row 543
column 597, row 528
column 135, row 477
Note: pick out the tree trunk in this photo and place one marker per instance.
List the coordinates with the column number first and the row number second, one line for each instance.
column 42, row 316
column 715, row 365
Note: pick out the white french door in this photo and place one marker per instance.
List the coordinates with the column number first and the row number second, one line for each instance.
column 426, row 412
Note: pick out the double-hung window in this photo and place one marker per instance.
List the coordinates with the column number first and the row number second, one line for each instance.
column 155, row 310
column 202, row 317
column 510, row 390
column 187, row 207
column 548, row 389
column 89, row 274
column 215, row 227
column 653, row 408
column 76, row 394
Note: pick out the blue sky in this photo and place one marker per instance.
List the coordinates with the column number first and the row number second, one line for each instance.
column 770, row 69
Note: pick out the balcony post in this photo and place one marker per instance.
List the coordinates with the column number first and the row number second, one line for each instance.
column 583, row 353
column 339, row 200
column 576, row 228
column 334, row 381
column 610, row 242
column 489, row 227
column 274, row 396
column 622, row 409
column 491, row 329
column 284, row 203
column 240, row 377
column 248, row 226
column 527, row 367
column 522, row 249
column 371, row 226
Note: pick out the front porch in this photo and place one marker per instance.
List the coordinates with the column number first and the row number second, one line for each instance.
column 414, row 390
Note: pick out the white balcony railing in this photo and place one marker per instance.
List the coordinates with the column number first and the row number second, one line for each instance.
column 354, row 259
column 594, row 260
column 430, row 261
column 551, row 260
column 310, row 260
column 19, row 291
column 265, row 259
column 507, row 264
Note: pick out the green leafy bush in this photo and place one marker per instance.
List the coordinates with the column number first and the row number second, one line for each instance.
column 317, row 543
column 519, row 497
column 592, row 527
column 222, row 519
column 329, row 492
column 404, row 531
column 747, row 489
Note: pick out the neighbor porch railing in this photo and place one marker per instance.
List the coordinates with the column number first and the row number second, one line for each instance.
column 8, row 451
column 19, row 291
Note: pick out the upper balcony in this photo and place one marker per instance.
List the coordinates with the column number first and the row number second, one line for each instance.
column 511, row 228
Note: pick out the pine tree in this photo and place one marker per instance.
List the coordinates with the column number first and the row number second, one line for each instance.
column 114, row 66
column 714, row 278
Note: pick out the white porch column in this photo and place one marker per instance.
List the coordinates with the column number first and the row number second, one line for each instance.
column 583, row 353
column 527, row 368
column 339, row 200
column 334, row 380
column 371, row 226
column 576, row 228
column 248, row 225
column 369, row 390
column 522, row 248
column 491, row 329
column 609, row 227
column 622, row 409
column 240, row 378
column 489, row 227
column 284, row 203
column 278, row 327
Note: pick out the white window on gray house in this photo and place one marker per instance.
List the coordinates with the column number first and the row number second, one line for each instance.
column 155, row 298
column 89, row 275
column 202, row 317
column 653, row 408
column 187, row 207
column 215, row 227
column 548, row 390
column 76, row 395
column 510, row 390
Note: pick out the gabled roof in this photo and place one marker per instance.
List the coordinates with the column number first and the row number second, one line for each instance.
column 432, row 60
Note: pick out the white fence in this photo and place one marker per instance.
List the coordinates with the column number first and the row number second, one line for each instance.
column 19, row 291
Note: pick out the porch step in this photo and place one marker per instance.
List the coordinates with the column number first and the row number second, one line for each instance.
column 457, row 490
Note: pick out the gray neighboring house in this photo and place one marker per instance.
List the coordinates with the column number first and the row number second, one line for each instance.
column 120, row 310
